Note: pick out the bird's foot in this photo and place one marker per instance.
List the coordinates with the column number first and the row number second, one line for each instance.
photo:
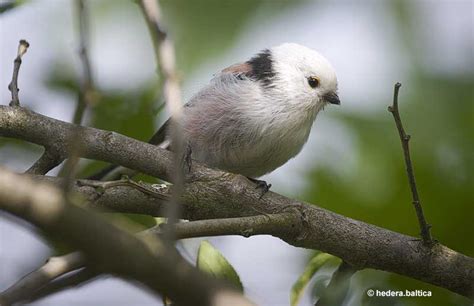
column 262, row 185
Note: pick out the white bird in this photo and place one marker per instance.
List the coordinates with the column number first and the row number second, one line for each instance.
column 255, row 116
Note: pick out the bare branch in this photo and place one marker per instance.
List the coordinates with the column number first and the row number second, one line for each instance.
column 165, row 57
column 215, row 194
column 13, row 86
column 44, row 206
column 119, row 196
column 404, row 138
column 69, row 169
column 73, row 280
column 87, row 92
column 53, row 268
column 276, row 224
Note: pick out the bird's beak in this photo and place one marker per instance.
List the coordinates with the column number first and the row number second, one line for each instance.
column 332, row 97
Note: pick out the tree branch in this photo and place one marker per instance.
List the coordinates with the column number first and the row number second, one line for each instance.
column 211, row 194
column 86, row 91
column 404, row 138
column 165, row 58
column 145, row 260
column 75, row 279
column 47, row 161
column 31, row 283
column 248, row 226
column 276, row 224
column 13, row 86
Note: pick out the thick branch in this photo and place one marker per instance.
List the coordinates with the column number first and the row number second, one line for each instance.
column 146, row 261
column 247, row 226
column 13, row 86
column 214, row 194
column 404, row 138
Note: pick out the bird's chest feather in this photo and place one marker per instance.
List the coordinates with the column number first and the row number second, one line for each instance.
column 252, row 142
column 266, row 145
column 284, row 137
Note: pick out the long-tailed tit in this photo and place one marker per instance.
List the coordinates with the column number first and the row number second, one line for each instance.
column 255, row 116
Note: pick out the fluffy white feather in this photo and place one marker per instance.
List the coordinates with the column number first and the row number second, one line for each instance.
column 251, row 126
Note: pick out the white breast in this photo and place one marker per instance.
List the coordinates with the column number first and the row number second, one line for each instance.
column 234, row 128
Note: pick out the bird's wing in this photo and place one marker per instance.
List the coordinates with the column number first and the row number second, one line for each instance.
column 238, row 69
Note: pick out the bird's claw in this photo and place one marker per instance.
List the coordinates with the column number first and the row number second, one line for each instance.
column 262, row 185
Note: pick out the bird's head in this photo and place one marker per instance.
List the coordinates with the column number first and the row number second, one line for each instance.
column 296, row 74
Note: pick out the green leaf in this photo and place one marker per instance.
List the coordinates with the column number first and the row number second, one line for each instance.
column 313, row 266
column 210, row 260
column 132, row 222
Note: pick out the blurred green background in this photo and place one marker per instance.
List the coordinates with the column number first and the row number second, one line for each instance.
column 354, row 163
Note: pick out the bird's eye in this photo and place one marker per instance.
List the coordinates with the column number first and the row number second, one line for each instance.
column 313, row 82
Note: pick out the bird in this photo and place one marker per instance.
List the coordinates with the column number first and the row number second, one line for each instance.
column 256, row 115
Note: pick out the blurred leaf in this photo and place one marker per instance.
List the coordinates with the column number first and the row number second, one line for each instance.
column 316, row 262
column 200, row 37
column 6, row 5
column 210, row 260
column 143, row 221
column 128, row 113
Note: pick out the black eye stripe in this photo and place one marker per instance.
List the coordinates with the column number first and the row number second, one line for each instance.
column 313, row 82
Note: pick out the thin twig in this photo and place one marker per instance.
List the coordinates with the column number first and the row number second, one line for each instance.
column 70, row 167
column 73, row 280
column 404, row 138
column 86, row 92
column 53, row 268
column 245, row 226
column 144, row 188
column 74, row 145
column 85, row 95
column 13, row 86
column 165, row 57
column 49, row 159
